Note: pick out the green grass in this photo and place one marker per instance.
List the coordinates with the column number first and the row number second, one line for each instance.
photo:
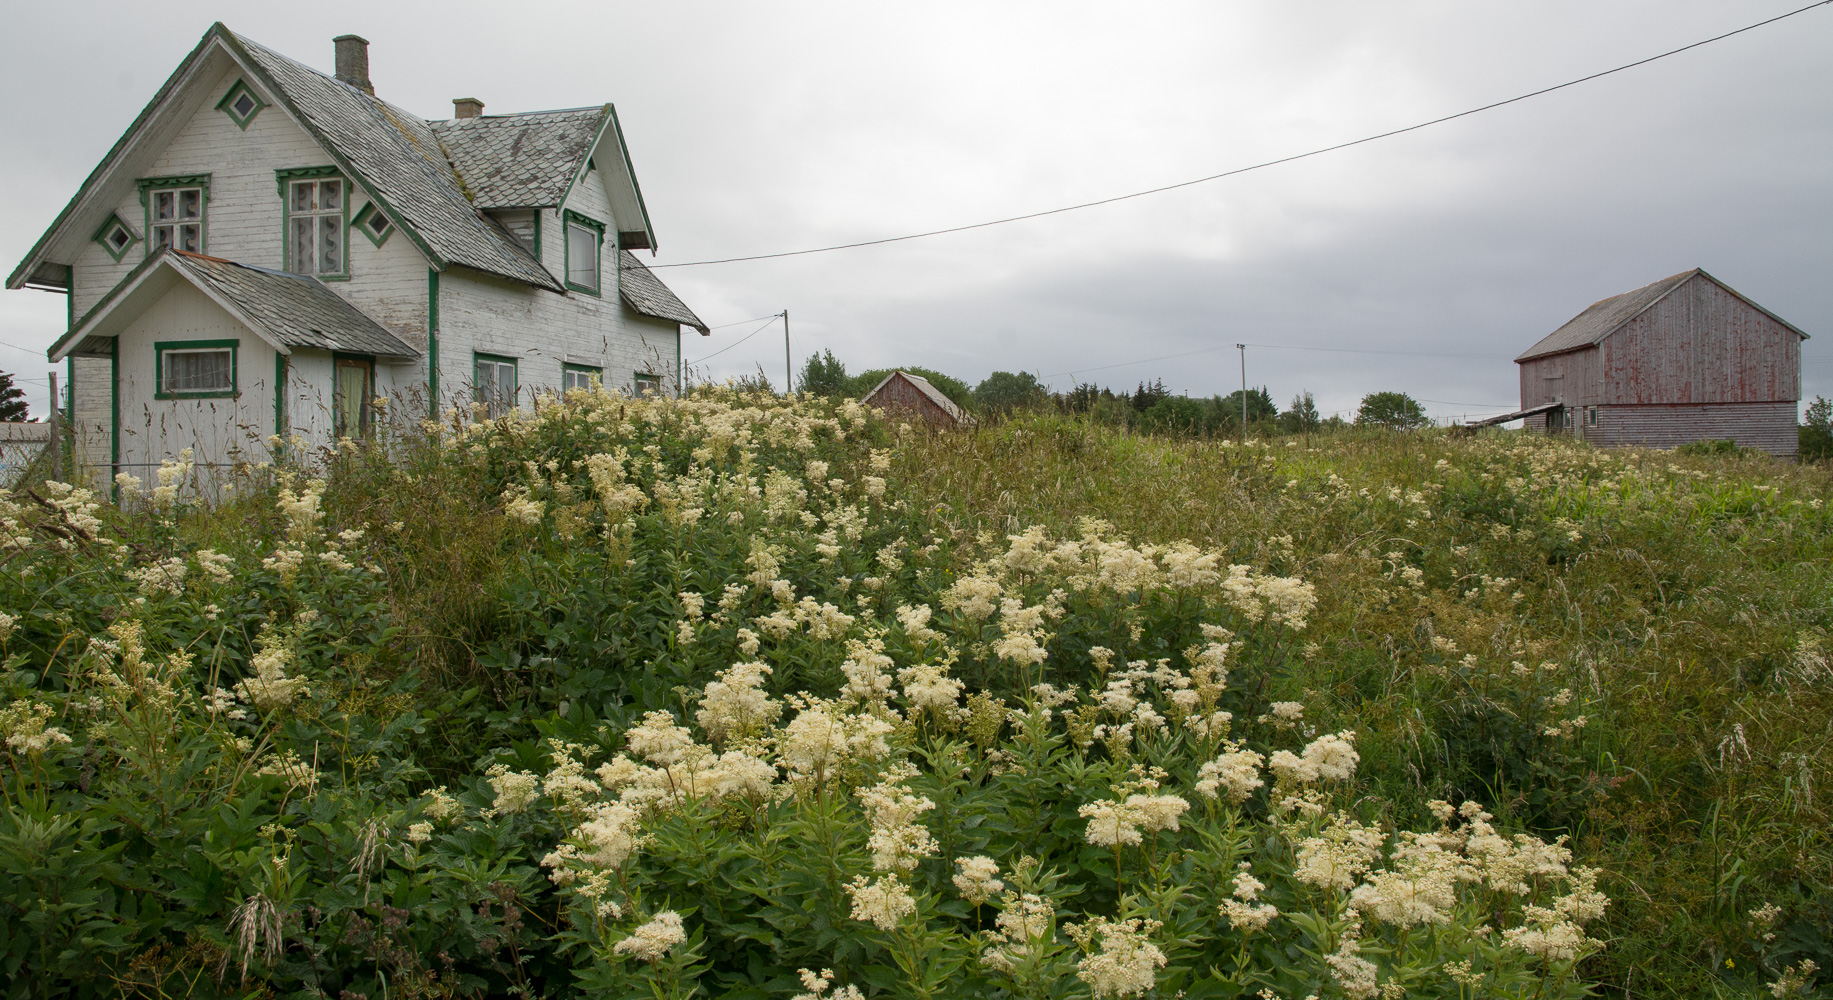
column 1685, row 619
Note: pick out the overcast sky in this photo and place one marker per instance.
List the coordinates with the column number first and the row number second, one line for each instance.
column 762, row 127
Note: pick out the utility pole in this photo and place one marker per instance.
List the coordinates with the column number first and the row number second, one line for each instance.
column 1243, row 349
column 789, row 378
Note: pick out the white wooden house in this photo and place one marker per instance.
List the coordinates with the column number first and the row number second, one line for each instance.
column 270, row 253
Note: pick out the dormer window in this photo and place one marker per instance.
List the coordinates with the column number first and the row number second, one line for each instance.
column 240, row 104
column 116, row 238
column 583, row 239
column 317, row 207
column 175, row 212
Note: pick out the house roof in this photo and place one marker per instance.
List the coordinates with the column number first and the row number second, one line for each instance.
column 523, row 160
column 647, row 295
column 1605, row 316
column 287, row 310
column 405, row 164
column 934, row 395
column 398, row 158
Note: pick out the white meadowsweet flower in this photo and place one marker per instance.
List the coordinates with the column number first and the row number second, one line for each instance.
column 653, row 941
column 1112, row 824
column 884, row 903
column 1122, row 960
column 977, row 879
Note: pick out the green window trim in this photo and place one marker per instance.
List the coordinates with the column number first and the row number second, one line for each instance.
column 108, row 226
column 568, row 219
column 368, row 213
column 228, row 104
column 507, row 400
column 284, row 179
column 638, row 380
column 148, row 185
column 159, row 351
column 432, row 343
column 590, row 371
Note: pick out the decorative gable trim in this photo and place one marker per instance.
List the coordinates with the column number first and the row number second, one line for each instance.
column 645, row 238
column 290, row 174
column 364, row 222
column 111, row 242
column 241, row 96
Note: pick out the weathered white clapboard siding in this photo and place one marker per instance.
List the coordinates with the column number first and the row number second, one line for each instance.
column 219, row 432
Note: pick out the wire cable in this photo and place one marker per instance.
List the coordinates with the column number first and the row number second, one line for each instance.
column 748, row 336
column 1258, row 166
column 742, row 322
column 1278, row 347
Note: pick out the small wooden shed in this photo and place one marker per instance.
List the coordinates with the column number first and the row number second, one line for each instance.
column 913, row 394
column 1687, row 358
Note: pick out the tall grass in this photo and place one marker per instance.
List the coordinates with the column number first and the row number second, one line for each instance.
column 1686, row 602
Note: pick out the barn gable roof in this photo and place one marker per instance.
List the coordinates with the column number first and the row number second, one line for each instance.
column 929, row 391
column 1605, row 316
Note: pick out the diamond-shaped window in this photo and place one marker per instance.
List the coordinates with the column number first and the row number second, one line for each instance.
column 240, row 104
column 116, row 237
column 373, row 223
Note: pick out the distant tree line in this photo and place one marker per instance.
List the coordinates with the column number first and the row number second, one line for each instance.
column 1149, row 407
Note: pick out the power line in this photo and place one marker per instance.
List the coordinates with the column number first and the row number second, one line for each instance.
column 742, row 322
column 1280, row 347
column 767, row 324
column 1258, row 166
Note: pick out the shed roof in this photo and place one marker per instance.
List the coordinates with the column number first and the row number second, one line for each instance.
column 934, row 395
column 647, row 295
column 522, row 160
column 1605, row 316
column 287, row 310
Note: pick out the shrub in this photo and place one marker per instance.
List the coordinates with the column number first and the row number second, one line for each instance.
column 1393, row 410
column 1816, row 434
column 1004, row 392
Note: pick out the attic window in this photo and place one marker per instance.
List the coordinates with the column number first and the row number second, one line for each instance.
column 583, row 238
column 240, row 104
column 115, row 237
column 373, row 223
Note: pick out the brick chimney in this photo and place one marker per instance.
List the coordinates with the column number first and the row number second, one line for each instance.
column 353, row 62
column 467, row 107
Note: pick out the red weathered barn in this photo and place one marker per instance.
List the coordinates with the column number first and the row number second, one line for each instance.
column 915, row 395
column 1685, row 359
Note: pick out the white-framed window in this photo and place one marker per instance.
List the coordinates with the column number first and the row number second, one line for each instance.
column 493, row 384
column 579, row 377
column 176, row 215
column 315, row 210
column 195, row 368
column 644, row 383
column 584, row 236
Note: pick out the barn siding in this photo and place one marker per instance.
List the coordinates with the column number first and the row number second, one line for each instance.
column 1701, row 344
column 1770, row 426
column 898, row 394
column 1576, row 384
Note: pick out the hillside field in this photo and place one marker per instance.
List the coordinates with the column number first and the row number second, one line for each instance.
column 733, row 696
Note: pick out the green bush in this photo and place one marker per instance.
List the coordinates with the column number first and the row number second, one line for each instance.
column 1816, row 432
column 1392, row 410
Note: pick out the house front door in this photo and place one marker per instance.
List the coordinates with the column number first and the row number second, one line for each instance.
column 355, row 388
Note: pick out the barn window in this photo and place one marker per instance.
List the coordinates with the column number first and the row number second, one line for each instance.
column 316, row 211
column 1591, row 416
column 240, row 104
column 187, row 369
column 493, row 384
column 580, row 377
column 175, row 212
column 584, row 236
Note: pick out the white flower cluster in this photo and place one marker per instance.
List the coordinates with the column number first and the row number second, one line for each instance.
column 1121, row 959
column 735, row 705
column 24, row 723
column 652, row 941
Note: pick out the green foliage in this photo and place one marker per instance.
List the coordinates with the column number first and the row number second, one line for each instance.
column 1393, row 410
column 385, row 746
column 1177, row 415
column 1260, row 408
column 1816, row 433
column 825, row 375
column 1005, row 392
column 12, row 399
column 1301, row 416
